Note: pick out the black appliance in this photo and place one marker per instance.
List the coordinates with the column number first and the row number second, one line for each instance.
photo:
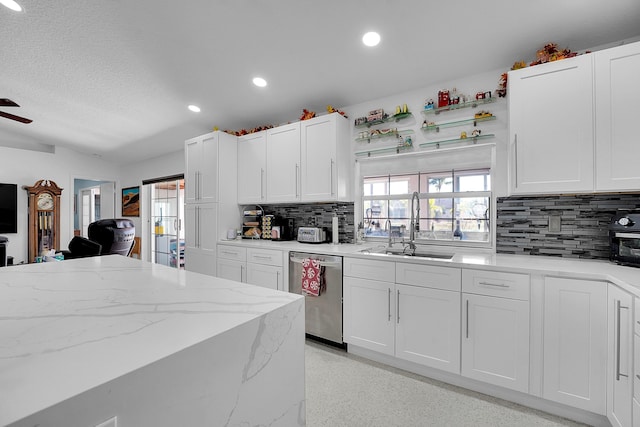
column 3, row 251
column 624, row 239
column 114, row 235
column 283, row 229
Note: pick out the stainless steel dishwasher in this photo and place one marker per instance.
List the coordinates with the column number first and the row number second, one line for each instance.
column 323, row 317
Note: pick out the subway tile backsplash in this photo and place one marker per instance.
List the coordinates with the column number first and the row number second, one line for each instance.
column 523, row 224
column 318, row 215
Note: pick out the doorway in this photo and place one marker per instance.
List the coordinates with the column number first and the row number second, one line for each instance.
column 93, row 200
column 167, row 218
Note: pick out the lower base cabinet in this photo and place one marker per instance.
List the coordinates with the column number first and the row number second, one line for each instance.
column 260, row 267
column 495, row 341
column 268, row 276
column 620, row 357
column 575, row 343
column 428, row 327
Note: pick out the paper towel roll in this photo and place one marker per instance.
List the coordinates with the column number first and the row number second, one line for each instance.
column 334, row 229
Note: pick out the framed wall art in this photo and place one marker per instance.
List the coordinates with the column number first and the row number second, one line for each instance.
column 131, row 201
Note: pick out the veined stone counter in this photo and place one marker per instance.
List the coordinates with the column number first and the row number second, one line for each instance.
column 86, row 340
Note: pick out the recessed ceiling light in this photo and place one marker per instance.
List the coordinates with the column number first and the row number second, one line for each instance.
column 194, row 108
column 371, row 38
column 259, row 81
column 11, row 5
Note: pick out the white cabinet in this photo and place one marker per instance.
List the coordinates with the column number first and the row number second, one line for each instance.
column 252, row 168
column 210, row 204
column 575, row 343
column 232, row 262
column 201, row 222
column 495, row 330
column 551, row 127
column 617, row 90
column 428, row 327
column 265, row 268
column 417, row 320
column 283, row 163
column 620, row 357
column 369, row 314
column 201, row 166
column 326, row 159
column 636, row 364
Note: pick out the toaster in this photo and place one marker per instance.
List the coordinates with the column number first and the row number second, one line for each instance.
column 312, row 235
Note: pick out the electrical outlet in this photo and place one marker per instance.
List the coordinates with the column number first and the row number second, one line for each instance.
column 555, row 223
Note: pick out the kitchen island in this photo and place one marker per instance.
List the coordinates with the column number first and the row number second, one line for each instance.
column 84, row 341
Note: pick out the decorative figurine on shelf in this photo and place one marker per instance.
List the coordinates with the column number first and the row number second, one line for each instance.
column 443, row 98
column 360, row 121
column 463, row 135
column 476, row 132
column 428, row 105
column 330, row 110
column 427, row 124
column 375, row 115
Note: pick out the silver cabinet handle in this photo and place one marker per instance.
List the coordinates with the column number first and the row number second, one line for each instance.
column 297, row 180
column 261, row 183
column 198, row 228
column 398, row 307
column 497, row 285
column 619, row 308
column 515, row 147
column 198, row 184
column 389, row 304
column 467, row 316
column 242, row 274
column 278, row 279
column 262, row 257
column 331, row 177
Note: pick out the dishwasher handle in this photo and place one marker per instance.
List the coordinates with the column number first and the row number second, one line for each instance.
column 325, row 262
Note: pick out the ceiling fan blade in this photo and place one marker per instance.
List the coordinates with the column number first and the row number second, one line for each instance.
column 16, row 118
column 6, row 102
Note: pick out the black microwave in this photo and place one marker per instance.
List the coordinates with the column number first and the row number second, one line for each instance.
column 624, row 239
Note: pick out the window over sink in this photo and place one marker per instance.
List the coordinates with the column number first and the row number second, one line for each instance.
column 454, row 206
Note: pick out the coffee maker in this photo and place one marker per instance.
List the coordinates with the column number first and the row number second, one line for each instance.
column 283, row 229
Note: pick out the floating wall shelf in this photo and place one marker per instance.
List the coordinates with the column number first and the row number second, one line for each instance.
column 436, row 127
column 472, row 139
column 473, row 104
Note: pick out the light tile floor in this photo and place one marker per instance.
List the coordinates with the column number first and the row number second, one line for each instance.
column 346, row 390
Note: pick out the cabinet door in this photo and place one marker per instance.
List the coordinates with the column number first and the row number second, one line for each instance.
column 617, row 92
column 495, row 341
column 283, row 164
column 200, row 227
column 319, row 169
column 575, row 336
column 201, row 158
column 620, row 356
column 267, row 276
column 369, row 314
column 551, row 126
column 251, row 168
column 230, row 269
column 428, row 327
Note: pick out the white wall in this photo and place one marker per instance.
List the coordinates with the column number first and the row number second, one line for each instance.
column 25, row 167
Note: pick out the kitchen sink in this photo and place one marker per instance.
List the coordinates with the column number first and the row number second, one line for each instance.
column 385, row 250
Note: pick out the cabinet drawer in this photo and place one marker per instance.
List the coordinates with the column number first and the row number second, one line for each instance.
column 264, row 256
column 495, row 283
column 429, row 276
column 232, row 252
column 384, row 271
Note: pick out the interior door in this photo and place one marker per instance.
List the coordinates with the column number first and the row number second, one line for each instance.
column 167, row 213
column 107, row 200
column 87, row 209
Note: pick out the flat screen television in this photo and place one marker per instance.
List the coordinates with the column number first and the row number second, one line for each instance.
column 8, row 208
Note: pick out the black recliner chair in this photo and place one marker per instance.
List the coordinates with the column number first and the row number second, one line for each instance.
column 114, row 235
column 81, row 247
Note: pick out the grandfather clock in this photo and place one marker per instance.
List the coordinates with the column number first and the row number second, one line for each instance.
column 44, row 217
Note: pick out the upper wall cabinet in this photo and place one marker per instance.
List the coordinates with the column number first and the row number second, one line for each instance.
column 202, row 170
column 283, row 163
column 551, row 127
column 326, row 159
column 252, row 167
column 617, row 91
column 307, row 161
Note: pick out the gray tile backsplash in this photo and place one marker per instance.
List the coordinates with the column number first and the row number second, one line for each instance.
column 523, row 224
column 318, row 215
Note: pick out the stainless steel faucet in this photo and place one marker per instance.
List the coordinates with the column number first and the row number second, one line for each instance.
column 387, row 225
column 414, row 224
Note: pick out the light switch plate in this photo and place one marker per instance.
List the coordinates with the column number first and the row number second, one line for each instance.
column 555, row 223
column 111, row 422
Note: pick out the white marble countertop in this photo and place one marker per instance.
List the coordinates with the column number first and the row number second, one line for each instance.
column 68, row 326
column 626, row 277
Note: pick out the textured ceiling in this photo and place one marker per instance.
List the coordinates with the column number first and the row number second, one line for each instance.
column 110, row 77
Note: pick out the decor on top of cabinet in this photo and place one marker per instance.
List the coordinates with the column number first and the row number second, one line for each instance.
column 331, row 110
column 306, row 114
column 246, row 131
